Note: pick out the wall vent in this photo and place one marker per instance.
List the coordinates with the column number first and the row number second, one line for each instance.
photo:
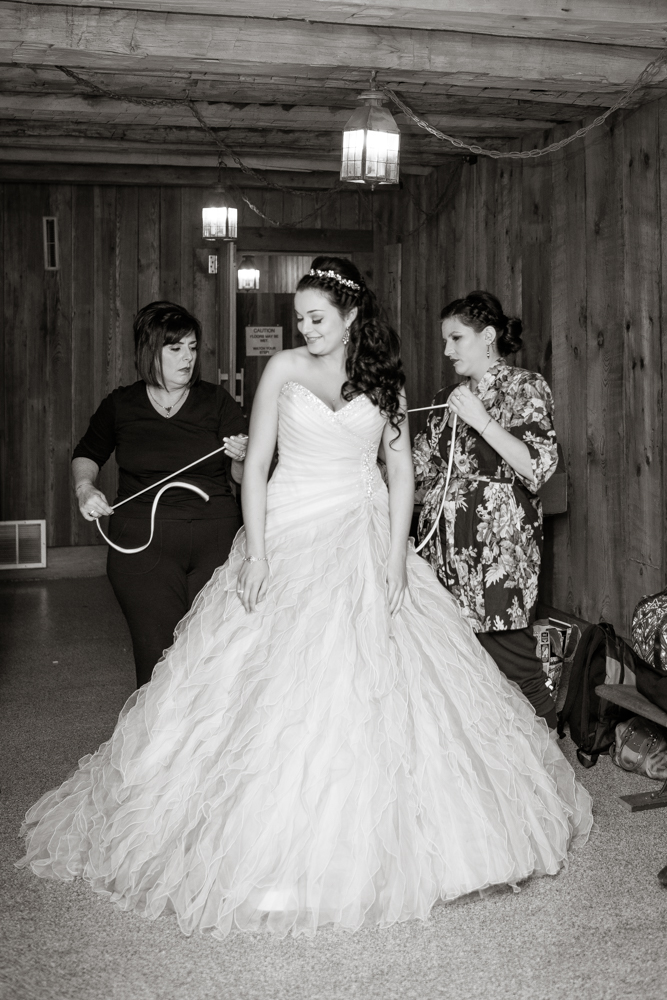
column 22, row 544
column 50, row 224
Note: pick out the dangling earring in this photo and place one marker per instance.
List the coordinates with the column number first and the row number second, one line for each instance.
column 346, row 336
column 488, row 350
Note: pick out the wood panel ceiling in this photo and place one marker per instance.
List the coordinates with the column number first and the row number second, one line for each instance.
column 279, row 78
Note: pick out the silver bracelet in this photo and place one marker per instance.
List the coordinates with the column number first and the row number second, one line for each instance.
column 255, row 559
column 483, row 430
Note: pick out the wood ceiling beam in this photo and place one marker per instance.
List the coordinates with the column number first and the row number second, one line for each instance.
column 105, row 171
column 641, row 22
column 431, row 97
column 65, row 108
column 321, row 150
column 125, row 39
column 97, row 153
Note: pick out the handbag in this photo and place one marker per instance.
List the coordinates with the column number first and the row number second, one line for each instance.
column 641, row 746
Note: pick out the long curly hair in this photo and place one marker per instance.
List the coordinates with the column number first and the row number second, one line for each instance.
column 373, row 364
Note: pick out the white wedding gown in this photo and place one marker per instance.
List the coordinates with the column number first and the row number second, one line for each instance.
column 316, row 761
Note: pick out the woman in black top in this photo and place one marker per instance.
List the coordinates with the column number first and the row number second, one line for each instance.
column 156, row 426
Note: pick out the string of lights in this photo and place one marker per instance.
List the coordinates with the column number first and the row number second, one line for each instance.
column 645, row 78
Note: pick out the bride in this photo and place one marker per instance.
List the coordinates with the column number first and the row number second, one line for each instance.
column 325, row 741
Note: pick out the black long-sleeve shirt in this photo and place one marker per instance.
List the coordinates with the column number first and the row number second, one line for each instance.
column 149, row 446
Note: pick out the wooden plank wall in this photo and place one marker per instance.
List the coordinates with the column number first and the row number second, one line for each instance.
column 575, row 244
column 67, row 334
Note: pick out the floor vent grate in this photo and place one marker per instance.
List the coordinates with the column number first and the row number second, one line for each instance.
column 22, row 544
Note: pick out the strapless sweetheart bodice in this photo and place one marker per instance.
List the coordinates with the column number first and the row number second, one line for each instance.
column 327, row 459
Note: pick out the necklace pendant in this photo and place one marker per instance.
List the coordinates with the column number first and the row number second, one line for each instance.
column 168, row 409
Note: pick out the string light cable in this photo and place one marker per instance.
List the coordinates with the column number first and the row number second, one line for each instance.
column 223, row 148
column 645, row 78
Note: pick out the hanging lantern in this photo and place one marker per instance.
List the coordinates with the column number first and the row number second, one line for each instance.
column 248, row 275
column 371, row 142
column 220, row 216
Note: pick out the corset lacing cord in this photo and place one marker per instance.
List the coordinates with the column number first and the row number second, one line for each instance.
column 185, row 486
column 448, row 477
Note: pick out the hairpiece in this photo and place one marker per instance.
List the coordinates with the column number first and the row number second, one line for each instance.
column 338, row 278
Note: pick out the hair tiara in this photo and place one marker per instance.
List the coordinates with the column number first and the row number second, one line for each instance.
column 338, row 278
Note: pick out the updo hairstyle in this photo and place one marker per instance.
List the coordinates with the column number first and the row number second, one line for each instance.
column 373, row 364
column 156, row 326
column 481, row 309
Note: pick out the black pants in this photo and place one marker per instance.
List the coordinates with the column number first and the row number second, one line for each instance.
column 156, row 587
column 515, row 654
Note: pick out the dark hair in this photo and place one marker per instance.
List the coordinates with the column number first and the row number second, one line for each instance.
column 480, row 309
column 155, row 326
column 373, row 364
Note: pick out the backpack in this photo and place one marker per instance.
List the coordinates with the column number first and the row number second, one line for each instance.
column 601, row 658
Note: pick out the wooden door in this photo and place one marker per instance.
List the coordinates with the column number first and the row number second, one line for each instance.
column 261, row 309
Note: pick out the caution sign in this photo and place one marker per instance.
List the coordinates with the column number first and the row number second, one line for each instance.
column 262, row 341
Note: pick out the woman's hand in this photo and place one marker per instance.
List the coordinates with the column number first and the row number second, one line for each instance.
column 515, row 452
column 92, row 502
column 235, row 447
column 468, row 407
column 397, row 582
column 252, row 583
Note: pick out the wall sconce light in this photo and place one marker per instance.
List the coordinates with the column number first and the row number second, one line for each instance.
column 248, row 275
column 371, row 143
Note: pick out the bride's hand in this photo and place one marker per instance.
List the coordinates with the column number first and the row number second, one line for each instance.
column 397, row 582
column 252, row 583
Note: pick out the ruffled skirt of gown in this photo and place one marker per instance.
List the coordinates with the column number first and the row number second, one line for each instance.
column 317, row 761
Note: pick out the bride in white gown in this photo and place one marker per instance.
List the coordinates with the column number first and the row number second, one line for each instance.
column 325, row 741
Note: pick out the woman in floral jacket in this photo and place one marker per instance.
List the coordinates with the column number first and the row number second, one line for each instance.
column 488, row 548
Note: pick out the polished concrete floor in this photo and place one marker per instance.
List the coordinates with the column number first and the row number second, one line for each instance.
column 597, row 931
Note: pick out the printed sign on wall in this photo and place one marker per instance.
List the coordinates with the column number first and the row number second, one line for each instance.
column 262, row 341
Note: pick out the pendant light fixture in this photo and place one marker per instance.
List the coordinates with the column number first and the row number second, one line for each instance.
column 248, row 275
column 371, row 142
column 220, row 215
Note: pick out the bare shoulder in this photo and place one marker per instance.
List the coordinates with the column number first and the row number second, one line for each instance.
column 292, row 365
column 280, row 368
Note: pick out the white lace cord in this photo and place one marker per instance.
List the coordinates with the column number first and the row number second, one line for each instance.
column 170, row 476
column 187, row 486
column 450, row 464
column 131, row 552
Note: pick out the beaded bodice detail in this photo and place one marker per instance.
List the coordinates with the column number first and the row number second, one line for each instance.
column 325, row 453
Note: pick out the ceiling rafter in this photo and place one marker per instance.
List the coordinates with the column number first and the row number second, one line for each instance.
column 641, row 22
column 71, row 36
column 282, row 75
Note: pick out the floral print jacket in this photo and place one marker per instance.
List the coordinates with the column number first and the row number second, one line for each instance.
column 488, row 548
